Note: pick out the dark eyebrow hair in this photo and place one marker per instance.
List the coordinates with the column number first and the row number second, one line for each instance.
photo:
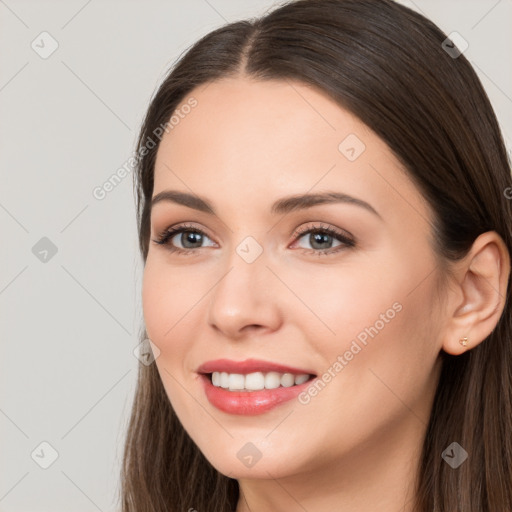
column 281, row 206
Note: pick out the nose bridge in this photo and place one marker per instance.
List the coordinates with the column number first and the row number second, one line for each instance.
column 244, row 294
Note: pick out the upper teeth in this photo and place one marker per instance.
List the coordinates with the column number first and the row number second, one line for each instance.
column 257, row 380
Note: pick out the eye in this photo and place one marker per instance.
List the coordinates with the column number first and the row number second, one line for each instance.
column 188, row 236
column 321, row 237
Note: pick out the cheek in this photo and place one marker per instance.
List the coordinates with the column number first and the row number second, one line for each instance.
column 165, row 303
column 343, row 301
column 154, row 301
column 379, row 312
column 168, row 295
column 388, row 344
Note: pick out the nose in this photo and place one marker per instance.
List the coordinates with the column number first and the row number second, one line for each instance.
column 245, row 299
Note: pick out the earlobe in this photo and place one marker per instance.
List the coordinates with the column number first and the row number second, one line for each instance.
column 482, row 278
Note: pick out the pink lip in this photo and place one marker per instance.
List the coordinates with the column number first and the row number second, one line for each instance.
column 248, row 366
column 249, row 403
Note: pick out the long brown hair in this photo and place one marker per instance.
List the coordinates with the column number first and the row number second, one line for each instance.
column 387, row 65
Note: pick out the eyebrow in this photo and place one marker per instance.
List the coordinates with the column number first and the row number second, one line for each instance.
column 281, row 206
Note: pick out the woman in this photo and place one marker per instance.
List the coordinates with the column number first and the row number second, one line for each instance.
column 374, row 377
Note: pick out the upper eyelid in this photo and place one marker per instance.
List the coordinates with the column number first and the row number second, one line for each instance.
column 179, row 226
column 323, row 227
column 303, row 228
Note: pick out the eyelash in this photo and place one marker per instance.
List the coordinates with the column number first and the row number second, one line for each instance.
column 164, row 237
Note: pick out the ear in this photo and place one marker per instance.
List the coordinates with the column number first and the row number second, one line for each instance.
column 479, row 295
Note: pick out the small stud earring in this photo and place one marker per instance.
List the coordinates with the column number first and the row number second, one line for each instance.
column 463, row 342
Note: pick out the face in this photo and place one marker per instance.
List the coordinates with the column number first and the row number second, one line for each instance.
column 342, row 290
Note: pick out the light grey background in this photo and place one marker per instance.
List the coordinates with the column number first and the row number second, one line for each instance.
column 68, row 122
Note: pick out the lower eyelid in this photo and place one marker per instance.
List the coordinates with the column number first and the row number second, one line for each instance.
column 298, row 240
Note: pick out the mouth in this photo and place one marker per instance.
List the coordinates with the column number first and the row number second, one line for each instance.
column 237, row 399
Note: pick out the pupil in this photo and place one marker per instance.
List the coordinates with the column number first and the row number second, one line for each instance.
column 320, row 238
column 191, row 237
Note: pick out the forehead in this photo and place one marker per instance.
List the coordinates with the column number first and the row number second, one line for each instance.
column 259, row 121
column 248, row 140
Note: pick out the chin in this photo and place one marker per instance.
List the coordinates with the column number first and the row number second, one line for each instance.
column 248, row 462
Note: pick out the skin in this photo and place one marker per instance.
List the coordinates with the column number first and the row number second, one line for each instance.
column 355, row 445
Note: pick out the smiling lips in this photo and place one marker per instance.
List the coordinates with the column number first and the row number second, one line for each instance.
column 252, row 386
